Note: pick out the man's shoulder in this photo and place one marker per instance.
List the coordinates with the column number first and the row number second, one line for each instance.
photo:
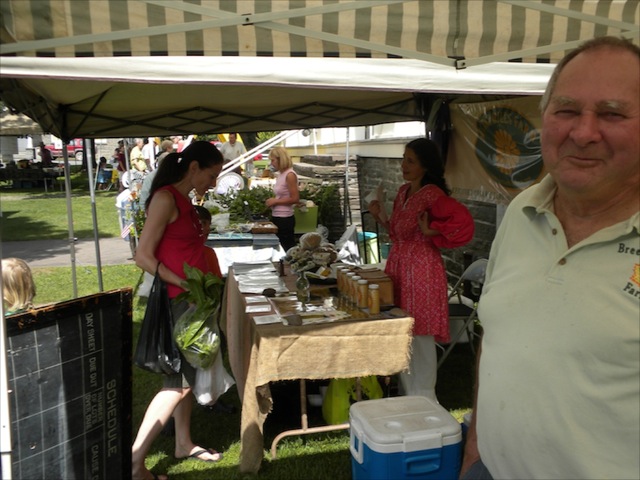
column 536, row 196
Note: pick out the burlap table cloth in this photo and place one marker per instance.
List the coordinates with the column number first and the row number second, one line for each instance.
column 345, row 349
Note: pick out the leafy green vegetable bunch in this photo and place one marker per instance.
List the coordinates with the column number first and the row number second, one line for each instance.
column 201, row 289
column 235, row 203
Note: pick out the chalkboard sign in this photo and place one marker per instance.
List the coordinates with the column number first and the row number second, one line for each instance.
column 70, row 388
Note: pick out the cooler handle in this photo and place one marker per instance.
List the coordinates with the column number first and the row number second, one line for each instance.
column 357, row 453
column 423, row 464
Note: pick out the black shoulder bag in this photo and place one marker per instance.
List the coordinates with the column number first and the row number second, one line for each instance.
column 156, row 351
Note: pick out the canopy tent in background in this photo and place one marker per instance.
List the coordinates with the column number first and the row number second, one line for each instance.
column 17, row 124
column 175, row 67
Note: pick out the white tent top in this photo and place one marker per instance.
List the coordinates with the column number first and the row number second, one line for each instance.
column 108, row 97
column 155, row 67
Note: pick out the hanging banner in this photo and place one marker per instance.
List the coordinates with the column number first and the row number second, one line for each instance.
column 494, row 152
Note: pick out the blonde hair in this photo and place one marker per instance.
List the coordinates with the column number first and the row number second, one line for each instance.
column 284, row 160
column 18, row 287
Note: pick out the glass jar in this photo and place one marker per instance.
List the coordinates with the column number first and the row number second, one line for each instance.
column 303, row 288
column 374, row 299
column 346, row 288
column 340, row 274
column 353, row 289
column 363, row 293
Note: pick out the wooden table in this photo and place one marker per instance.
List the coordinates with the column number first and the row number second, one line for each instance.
column 260, row 354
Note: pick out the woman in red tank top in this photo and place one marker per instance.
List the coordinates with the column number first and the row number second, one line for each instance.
column 172, row 235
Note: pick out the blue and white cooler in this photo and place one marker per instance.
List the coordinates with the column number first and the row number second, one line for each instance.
column 404, row 438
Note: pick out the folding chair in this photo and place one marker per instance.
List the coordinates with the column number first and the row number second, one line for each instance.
column 464, row 308
column 364, row 243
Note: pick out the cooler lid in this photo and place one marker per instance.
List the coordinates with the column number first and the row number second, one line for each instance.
column 399, row 420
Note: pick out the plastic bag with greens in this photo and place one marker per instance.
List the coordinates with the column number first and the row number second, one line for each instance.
column 197, row 336
column 196, row 331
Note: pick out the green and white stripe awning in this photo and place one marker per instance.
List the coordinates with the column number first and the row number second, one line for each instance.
column 99, row 68
column 460, row 33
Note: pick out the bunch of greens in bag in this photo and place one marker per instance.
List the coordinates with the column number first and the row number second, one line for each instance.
column 196, row 332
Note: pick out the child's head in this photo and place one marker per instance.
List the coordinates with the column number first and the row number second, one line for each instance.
column 205, row 220
column 18, row 287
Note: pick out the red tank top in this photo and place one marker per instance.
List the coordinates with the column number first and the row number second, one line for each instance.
column 182, row 241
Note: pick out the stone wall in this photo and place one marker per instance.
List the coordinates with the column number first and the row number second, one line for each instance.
column 373, row 171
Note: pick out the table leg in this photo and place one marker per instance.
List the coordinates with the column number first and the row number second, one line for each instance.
column 304, row 423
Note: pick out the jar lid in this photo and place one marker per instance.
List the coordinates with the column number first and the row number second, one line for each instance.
column 362, row 281
column 356, row 277
column 373, row 286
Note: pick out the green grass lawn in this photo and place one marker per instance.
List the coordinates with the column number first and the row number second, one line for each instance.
column 35, row 215
column 39, row 215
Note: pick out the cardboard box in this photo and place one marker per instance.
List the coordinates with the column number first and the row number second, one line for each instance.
column 264, row 227
column 375, row 275
column 404, row 438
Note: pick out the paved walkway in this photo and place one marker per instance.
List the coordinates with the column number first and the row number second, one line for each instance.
column 57, row 253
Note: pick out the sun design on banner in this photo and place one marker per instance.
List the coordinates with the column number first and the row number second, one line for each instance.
column 508, row 147
column 507, row 153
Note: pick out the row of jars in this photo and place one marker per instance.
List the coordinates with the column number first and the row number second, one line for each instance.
column 357, row 290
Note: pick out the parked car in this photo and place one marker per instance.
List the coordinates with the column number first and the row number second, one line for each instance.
column 74, row 149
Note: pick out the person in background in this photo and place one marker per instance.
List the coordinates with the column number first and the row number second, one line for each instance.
column 287, row 195
column 120, row 162
column 214, row 267
column 558, row 384
column 136, row 157
column 210, row 254
column 167, row 148
column 415, row 263
column 171, row 237
column 233, row 149
column 46, row 158
column 149, row 153
column 18, row 287
column 103, row 175
column 127, row 206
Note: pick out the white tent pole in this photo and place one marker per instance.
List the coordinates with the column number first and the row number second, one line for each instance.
column 315, row 143
column 92, row 192
column 5, row 418
column 72, row 247
column 347, row 212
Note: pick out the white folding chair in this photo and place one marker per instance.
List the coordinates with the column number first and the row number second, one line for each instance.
column 463, row 308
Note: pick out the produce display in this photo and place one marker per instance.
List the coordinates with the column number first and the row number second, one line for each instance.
column 311, row 254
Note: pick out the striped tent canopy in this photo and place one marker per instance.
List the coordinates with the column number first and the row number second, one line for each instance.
column 458, row 33
column 89, row 67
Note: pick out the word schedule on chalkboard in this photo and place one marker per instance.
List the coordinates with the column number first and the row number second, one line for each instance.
column 69, row 368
